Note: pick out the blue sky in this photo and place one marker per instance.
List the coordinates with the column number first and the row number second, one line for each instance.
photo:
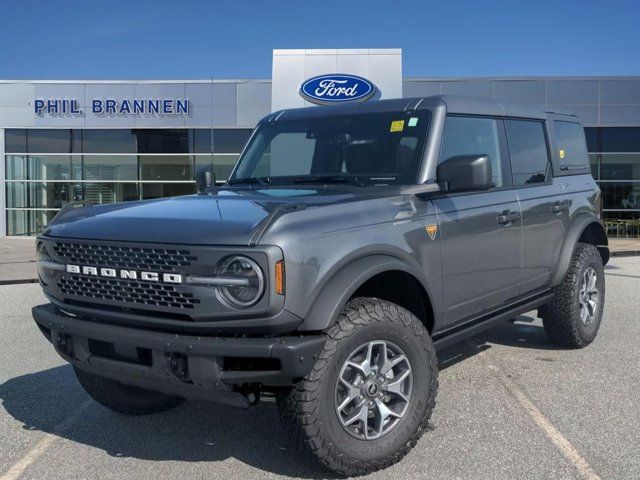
column 102, row 39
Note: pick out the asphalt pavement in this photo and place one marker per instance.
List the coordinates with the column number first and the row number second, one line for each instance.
column 510, row 405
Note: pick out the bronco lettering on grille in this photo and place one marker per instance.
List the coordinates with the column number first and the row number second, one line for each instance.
column 126, row 274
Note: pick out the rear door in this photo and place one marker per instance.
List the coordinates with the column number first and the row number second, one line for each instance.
column 543, row 200
column 480, row 231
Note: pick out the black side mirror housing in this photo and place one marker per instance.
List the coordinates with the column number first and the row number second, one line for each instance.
column 205, row 180
column 465, row 173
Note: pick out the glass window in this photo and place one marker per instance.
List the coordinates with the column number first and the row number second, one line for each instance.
column 572, row 148
column 592, row 134
column 110, row 167
column 16, row 195
column 620, row 195
column 528, row 151
column 594, row 162
column 621, row 139
column 160, row 190
column 49, row 141
column 201, row 140
column 473, row 136
column 15, row 140
column 620, row 167
column 16, row 167
column 366, row 148
column 49, row 167
column 616, row 225
column 222, row 166
column 48, row 195
column 17, row 222
column 166, row 167
column 163, row 141
column 110, row 192
column 76, row 167
column 108, row 141
column 230, row 140
column 28, row 222
column 38, row 195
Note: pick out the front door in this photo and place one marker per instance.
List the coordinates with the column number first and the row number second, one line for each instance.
column 481, row 232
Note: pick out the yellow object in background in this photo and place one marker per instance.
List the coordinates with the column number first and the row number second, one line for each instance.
column 561, row 153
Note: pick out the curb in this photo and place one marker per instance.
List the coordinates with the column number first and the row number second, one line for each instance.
column 18, row 281
column 627, row 253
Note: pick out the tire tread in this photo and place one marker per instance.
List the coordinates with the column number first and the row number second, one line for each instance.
column 298, row 408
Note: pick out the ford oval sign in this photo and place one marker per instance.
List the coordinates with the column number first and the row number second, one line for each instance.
column 336, row 88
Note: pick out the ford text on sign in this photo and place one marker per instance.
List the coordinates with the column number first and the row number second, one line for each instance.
column 336, row 88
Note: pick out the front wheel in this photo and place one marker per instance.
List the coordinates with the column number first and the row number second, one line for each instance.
column 369, row 396
column 572, row 319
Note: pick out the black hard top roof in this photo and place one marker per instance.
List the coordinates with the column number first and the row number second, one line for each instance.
column 454, row 104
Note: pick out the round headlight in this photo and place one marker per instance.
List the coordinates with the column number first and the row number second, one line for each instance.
column 250, row 279
column 41, row 252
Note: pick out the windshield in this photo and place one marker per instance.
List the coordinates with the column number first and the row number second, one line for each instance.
column 362, row 149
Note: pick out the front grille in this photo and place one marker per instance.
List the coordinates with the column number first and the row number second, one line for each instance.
column 118, row 256
column 129, row 291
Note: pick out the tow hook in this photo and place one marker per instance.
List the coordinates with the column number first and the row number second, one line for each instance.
column 253, row 397
column 177, row 366
column 251, row 393
column 64, row 344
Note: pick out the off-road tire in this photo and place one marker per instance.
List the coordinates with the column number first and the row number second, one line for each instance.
column 308, row 411
column 124, row 398
column 561, row 316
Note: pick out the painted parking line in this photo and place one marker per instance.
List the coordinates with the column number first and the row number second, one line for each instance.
column 43, row 444
column 573, row 456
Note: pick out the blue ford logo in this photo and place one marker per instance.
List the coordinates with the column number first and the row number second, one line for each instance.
column 336, row 88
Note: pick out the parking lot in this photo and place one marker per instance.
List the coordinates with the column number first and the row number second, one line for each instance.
column 510, row 405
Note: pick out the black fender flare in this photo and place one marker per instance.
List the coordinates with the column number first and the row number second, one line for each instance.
column 325, row 308
column 578, row 225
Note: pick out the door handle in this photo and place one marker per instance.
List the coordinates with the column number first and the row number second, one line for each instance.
column 559, row 207
column 508, row 217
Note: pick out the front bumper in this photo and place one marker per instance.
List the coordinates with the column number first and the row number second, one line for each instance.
column 183, row 365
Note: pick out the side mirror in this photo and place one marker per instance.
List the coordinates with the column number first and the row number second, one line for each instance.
column 204, row 180
column 465, row 172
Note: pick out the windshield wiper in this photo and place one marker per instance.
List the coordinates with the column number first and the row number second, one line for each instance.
column 262, row 181
column 325, row 179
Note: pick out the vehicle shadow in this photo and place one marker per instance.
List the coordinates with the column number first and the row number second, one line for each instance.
column 524, row 331
column 199, row 431
column 193, row 432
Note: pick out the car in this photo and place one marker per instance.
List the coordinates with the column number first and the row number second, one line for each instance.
column 349, row 244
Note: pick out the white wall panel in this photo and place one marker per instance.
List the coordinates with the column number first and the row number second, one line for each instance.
column 383, row 67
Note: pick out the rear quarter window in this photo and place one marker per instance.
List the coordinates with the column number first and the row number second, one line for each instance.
column 571, row 148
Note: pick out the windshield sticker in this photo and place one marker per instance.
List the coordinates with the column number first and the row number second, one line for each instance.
column 397, row 126
column 413, row 121
column 561, row 153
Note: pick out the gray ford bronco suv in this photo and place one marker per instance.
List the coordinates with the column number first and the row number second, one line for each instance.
column 349, row 244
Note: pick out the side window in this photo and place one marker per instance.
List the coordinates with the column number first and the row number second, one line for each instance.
column 572, row 147
column 473, row 136
column 528, row 151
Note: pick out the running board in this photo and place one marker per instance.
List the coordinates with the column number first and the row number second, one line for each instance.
column 469, row 329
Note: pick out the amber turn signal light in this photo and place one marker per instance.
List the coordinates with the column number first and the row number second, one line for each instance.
column 280, row 277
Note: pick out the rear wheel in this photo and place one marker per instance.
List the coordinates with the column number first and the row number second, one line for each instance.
column 369, row 396
column 572, row 319
column 124, row 398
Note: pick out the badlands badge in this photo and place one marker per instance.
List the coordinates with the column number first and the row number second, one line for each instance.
column 432, row 230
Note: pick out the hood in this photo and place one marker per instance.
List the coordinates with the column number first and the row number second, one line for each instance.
column 228, row 217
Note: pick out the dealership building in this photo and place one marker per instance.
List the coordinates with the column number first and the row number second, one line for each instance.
column 122, row 140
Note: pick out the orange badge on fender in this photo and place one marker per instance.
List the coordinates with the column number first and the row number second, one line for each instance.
column 432, row 230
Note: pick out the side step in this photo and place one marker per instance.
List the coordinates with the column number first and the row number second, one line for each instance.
column 473, row 327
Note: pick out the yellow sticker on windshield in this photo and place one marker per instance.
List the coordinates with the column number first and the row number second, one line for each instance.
column 397, row 126
column 561, row 153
